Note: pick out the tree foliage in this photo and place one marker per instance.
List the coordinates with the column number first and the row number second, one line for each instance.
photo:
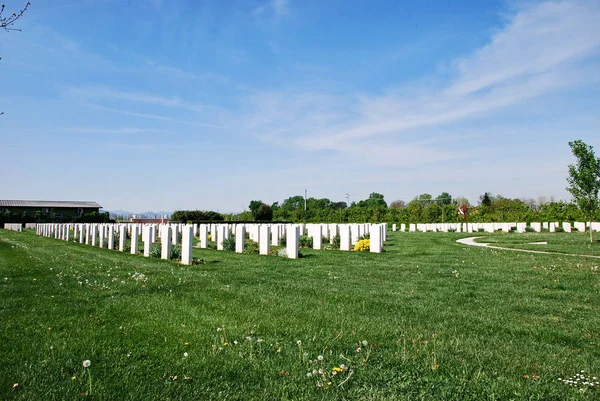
column 584, row 179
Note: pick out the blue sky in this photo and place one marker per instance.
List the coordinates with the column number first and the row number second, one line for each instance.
column 162, row 105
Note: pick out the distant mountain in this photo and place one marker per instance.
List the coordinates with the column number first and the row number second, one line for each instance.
column 139, row 215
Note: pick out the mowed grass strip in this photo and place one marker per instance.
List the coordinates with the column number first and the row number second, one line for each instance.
column 559, row 242
column 427, row 319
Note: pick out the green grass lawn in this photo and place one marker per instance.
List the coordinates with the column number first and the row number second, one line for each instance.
column 439, row 321
column 575, row 242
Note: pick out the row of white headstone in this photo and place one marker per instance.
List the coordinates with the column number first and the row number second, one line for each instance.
column 493, row 227
column 103, row 235
column 13, row 227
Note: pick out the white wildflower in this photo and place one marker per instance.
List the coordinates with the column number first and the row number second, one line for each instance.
column 87, row 363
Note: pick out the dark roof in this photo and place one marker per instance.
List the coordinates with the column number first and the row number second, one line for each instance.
column 31, row 203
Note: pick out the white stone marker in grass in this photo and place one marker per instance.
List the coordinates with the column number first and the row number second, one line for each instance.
column 551, row 227
column 94, row 234
column 291, row 247
column 317, row 238
column 203, row 236
column 165, row 248
column 221, row 229
column 101, row 235
column 174, row 234
column 186, row 244
column 240, row 236
column 566, row 227
column 579, row 226
column 147, row 238
column 353, row 233
column 275, row 230
column 545, row 225
column 264, row 244
column 393, row 227
column 376, row 240
column 134, row 240
column 344, row 237
column 122, row 237
column 111, row 238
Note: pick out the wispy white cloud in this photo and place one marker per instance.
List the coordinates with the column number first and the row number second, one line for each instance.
column 154, row 116
column 542, row 49
column 114, row 131
column 273, row 8
column 101, row 93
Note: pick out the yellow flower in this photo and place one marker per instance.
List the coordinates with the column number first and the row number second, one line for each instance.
column 186, row 343
column 337, row 369
column 278, row 349
column 362, row 245
column 225, row 344
column 74, row 378
column 329, row 383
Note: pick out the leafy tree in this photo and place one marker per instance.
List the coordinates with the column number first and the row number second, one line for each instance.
column 424, row 200
column 264, row 213
column 254, row 205
column 397, row 204
column 485, row 199
column 584, row 180
column 444, row 199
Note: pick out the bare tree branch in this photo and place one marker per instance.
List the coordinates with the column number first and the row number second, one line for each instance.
column 7, row 23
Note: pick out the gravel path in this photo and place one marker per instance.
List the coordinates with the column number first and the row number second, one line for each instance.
column 471, row 242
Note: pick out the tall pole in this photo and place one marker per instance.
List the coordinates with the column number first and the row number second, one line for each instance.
column 305, row 192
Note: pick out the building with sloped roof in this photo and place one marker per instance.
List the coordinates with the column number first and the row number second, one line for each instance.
column 54, row 210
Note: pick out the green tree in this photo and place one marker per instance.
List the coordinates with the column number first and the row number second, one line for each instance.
column 584, row 180
column 254, row 205
column 264, row 213
column 444, row 199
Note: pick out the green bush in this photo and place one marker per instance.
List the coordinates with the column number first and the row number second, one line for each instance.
column 305, row 241
column 336, row 242
column 156, row 251
column 229, row 243
column 251, row 247
column 283, row 240
column 529, row 230
column 175, row 253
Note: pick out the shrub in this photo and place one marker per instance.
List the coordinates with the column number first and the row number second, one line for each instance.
column 175, row 253
column 529, row 229
column 155, row 251
column 229, row 243
column 305, row 241
column 283, row 240
column 560, row 230
column 251, row 247
column 336, row 242
column 366, row 236
column 363, row 245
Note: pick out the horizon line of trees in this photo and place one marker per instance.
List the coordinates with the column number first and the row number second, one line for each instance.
column 424, row 208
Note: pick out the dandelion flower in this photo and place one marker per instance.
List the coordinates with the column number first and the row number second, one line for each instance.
column 358, row 349
column 314, row 372
column 185, row 354
column 219, row 329
column 73, row 377
column 278, row 349
column 329, row 383
column 364, row 343
column 320, row 357
column 235, row 342
column 309, row 374
column 260, row 340
column 299, row 342
column 320, row 371
column 87, row 363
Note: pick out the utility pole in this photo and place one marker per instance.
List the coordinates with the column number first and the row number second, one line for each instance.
column 305, row 192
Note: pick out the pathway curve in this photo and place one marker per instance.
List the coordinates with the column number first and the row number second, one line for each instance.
column 471, row 242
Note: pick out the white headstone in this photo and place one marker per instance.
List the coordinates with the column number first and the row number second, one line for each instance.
column 240, row 237
column 134, row 240
column 186, row 244
column 165, row 239
column 293, row 233
column 264, row 239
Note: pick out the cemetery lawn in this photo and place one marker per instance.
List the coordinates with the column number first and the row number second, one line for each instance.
column 428, row 319
column 575, row 242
